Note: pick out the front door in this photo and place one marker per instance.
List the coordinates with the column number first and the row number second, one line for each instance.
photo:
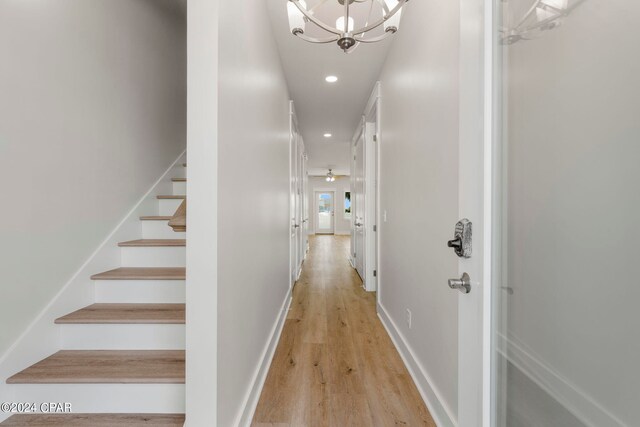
column 325, row 208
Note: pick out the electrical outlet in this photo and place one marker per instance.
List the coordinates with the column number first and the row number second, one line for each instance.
column 409, row 318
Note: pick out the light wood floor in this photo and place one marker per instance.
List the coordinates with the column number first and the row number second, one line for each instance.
column 335, row 365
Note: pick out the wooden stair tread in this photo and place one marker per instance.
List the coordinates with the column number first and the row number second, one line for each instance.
column 95, row 420
column 142, row 273
column 179, row 179
column 153, row 243
column 106, row 367
column 126, row 314
column 171, row 197
column 155, row 218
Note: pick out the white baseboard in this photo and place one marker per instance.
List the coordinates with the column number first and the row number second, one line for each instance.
column 441, row 413
column 250, row 401
column 42, row 337
column 582, row 406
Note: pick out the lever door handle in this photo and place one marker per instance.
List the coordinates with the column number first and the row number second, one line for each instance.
column 455, row 243
column 462, row 284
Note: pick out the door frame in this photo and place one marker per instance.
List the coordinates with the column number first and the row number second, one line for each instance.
column 317, row 191
column 296, row 155
column 372, row 188
column 477, row 150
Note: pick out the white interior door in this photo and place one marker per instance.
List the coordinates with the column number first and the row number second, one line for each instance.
column 294, row 196
column 324, row 212
column 358, row 199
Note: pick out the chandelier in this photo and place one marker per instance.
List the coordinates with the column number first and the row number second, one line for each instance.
column 330, row 176
column 542, row 15
column 378, row 13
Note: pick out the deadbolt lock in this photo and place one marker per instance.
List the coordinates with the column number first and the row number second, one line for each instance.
column 461, row 242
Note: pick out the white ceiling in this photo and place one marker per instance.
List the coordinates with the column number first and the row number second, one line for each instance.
column 320, row 106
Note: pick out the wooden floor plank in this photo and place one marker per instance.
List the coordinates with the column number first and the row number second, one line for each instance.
column 335, row 364
column 143, row 273
column 106, row 367
column 126, row 314
column 95, row 420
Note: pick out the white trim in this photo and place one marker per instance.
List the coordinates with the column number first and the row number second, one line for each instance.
column 42, row 337
column 441, row 413
column 572, row 398
column 250, row 401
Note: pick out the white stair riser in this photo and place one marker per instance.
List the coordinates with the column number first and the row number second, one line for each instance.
column 160, row 230
column 179, row 188
column 122, row 337
column 140, row 291
column 179, row 172
column 168, row 207
column 106, row 398
column 166, row 256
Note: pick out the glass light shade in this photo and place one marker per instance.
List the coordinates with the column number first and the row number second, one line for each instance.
column 394, row 21
column 296, row 18
column 340, row 24
column 328, row 178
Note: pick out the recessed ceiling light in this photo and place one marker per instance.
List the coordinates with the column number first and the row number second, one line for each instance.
column 327, row 135
column 331, row 79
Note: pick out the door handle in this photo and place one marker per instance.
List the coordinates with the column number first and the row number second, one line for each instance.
column 462, row 284
column 296, row 225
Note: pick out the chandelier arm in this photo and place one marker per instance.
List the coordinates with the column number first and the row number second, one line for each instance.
column 526, row 16
column 316, row 20
column 370, row 13
column 375, row 39
column 383, row 5
column 316, row 40
column 544, row 22
column 376, row 24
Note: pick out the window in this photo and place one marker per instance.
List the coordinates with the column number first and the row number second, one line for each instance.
column 347, row 205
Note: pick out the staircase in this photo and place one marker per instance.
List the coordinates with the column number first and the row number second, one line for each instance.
column 123, row 356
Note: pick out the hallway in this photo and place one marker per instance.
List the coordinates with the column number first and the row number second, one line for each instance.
column 335, row 365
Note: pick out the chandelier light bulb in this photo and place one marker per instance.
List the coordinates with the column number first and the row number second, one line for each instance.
column 340, row 24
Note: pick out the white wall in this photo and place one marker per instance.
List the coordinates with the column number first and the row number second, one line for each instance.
column 253, row 197
column 92, row 112
column 202, row 223
column 574, row 205
column 340, row 186
column 419, row 190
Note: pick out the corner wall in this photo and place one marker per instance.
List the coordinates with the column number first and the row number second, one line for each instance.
column 92, row 112
column 419, row 197
column 253, row 199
